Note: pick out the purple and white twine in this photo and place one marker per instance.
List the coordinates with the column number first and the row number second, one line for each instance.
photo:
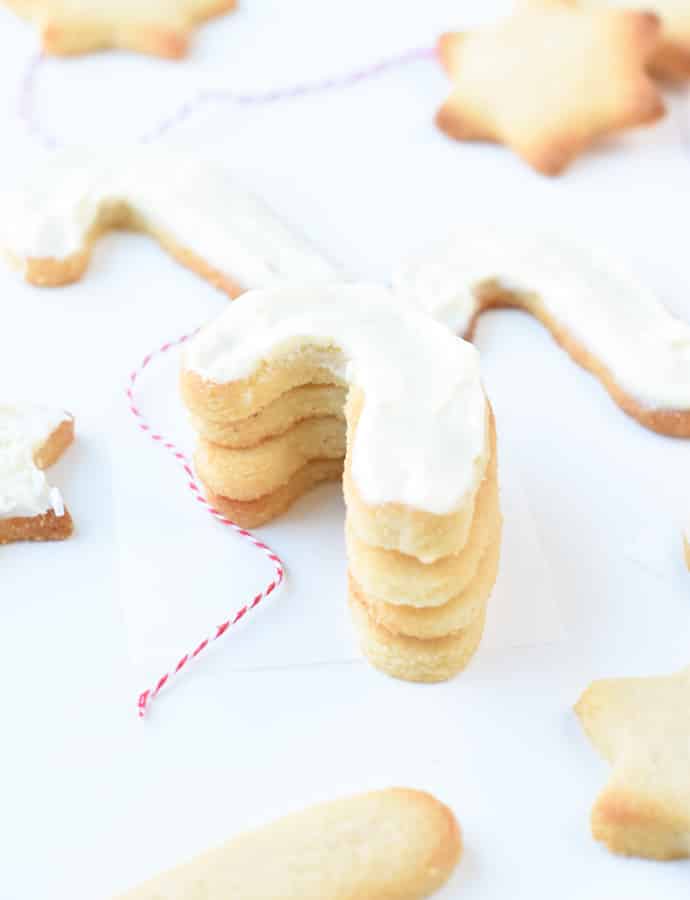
column 184, row 112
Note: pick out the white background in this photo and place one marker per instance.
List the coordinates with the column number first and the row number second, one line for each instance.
column 94, row 800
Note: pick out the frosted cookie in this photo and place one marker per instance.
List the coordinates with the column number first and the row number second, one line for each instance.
column 191, row 206
column 608, row 323
column 550, row 80
column 671, row 60
column 642, row 727
column 32, row 438
column 297, row 385
column 395, row 844
column 385, row 576
column 158, row 27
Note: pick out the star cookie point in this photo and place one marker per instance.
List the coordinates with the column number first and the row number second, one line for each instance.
column 550, row 80
column 642, row 727
column 157, row 27
column 671, row 59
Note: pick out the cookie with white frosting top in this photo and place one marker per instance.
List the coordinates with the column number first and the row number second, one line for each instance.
column 193, row 207
column 608, row 322
column 296, row 385
column 32, row 438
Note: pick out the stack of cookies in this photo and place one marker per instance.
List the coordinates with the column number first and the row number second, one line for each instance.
column 420, row 614
column 290, row 382
column 255, row 466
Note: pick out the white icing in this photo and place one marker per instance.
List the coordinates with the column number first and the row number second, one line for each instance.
column 24, row 490
column 194, row 202
column 646, row 349
column 422, row 431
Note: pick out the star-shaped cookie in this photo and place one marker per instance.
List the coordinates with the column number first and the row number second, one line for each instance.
column 158, row 27
column 642, row 727
column 550, row 80
column 32, row 438
column 672, row 57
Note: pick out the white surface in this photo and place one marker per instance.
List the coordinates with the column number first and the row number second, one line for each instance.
column 93, row 800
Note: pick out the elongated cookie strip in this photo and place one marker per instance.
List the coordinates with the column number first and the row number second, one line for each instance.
column 396, row 844
column 608, row 323
column 192, row 207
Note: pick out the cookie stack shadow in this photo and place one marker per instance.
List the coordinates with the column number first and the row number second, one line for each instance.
column 418, row 582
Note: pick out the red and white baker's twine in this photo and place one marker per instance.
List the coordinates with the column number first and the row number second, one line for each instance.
column 147, row 696
column 187, row 109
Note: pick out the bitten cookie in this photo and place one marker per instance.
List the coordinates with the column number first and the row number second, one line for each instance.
column 32, row 438
column 297, row 385
column 550, row 80
column 396, row 844
column 608, row 323
column 158, row 27
column 192, row 207
column 642, row 727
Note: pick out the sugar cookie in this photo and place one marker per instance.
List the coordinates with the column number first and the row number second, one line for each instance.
column 32, row 438
column 385, row 576
column 395, row 844
column 191, row 206
column 291, row 380
column 550, row 80
column 642, row 727
column 671, row 59
column 158, row 27
column 607, row 322
column 413, row 659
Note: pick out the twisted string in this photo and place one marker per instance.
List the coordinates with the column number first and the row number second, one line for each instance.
column 149, row 695
column 202, row 98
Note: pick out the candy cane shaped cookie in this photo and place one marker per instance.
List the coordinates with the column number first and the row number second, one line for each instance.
column 191, row 206
column 300, row 384
column 608, row 323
